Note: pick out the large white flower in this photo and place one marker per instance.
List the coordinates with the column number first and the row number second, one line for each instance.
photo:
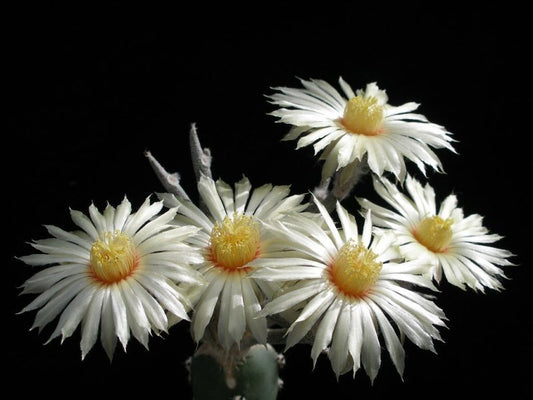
column 446, row 239
column 359, row 126
column 118, row 275
column 232, row 238
column 350, row 290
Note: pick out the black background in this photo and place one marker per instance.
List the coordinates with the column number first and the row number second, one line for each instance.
column 89, row 89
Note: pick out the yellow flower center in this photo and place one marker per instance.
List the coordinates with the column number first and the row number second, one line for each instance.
column 363, row 115
column 355, row 269
column 434, row 233
column 113, row 258
column 235, row 242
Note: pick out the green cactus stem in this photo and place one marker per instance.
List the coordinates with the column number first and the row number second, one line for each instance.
column 251, row 373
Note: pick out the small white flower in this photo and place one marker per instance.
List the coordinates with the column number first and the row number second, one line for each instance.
column 349, row 289
column 118, row 275
column 447, row 240
column 233, row 239
column 360, row 126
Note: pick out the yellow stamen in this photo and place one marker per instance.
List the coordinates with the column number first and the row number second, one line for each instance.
column 363, row 116
column 434, row 233
column 113, row 258
column 235, row 242
column 355, row 269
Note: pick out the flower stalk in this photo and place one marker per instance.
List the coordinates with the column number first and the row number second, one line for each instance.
column 201, row 157
column 170, row 181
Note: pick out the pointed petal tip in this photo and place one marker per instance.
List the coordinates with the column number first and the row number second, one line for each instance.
column 84, row 351
column 110, row 357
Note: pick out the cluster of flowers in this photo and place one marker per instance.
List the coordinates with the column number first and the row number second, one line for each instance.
column 245, row 259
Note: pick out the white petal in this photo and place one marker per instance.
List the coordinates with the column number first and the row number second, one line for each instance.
column 355, row 339
column 177, row 273
column 155, row 313
column 237, row 317
column 424, row 309
column 97, row 219
column 281, row 261
column 120, row 316
column 167, row 240
column 144, row 214
column 207, row 303
column 319, row 117
column 47, row 259
column 371, row 351
column 257, row 325
column 367, row 230
column 154, row 226
column 312, row 99
column 43, row 280
column 486, row 273
column 308, row 245
column 412, row 279
column 394, row 346
column 339, row 343
column 406, row 322
column 137, row 319
column 489, row 253
column 164, row 292
column 268, row 206
column 109, row 217
column 315, row 135
column 225, row 193
column 295, row 132
column 406, row 116
column 346, row 88
column 327, row 140
column 326, row 92
column 73, row 313
column 295, row 295
column 180, row 255
column 325, row 330
column 107, row 325
column 91, row 322
column 329, row 222
column 288, row 273
column 224, row 316
column 61, row 247
column 242, row 192
column 382, row 216
column 393, row 160
column 211, row 198
column 349, row 226
column 257, row 197
column 59, row 233
column 404, row 108
column 423, row 197
column 397, row 200
column 60, row 295
column 84, row 223
column 122, row 213
column 373, row 90
column 345, row 150
column 194, row 216
column 308, row 317
column 305, row 235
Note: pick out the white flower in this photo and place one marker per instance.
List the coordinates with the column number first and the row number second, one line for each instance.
column 232, row 238
column 446, row 239
column 118, row 275
column 350, row 290
column 360, row 126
